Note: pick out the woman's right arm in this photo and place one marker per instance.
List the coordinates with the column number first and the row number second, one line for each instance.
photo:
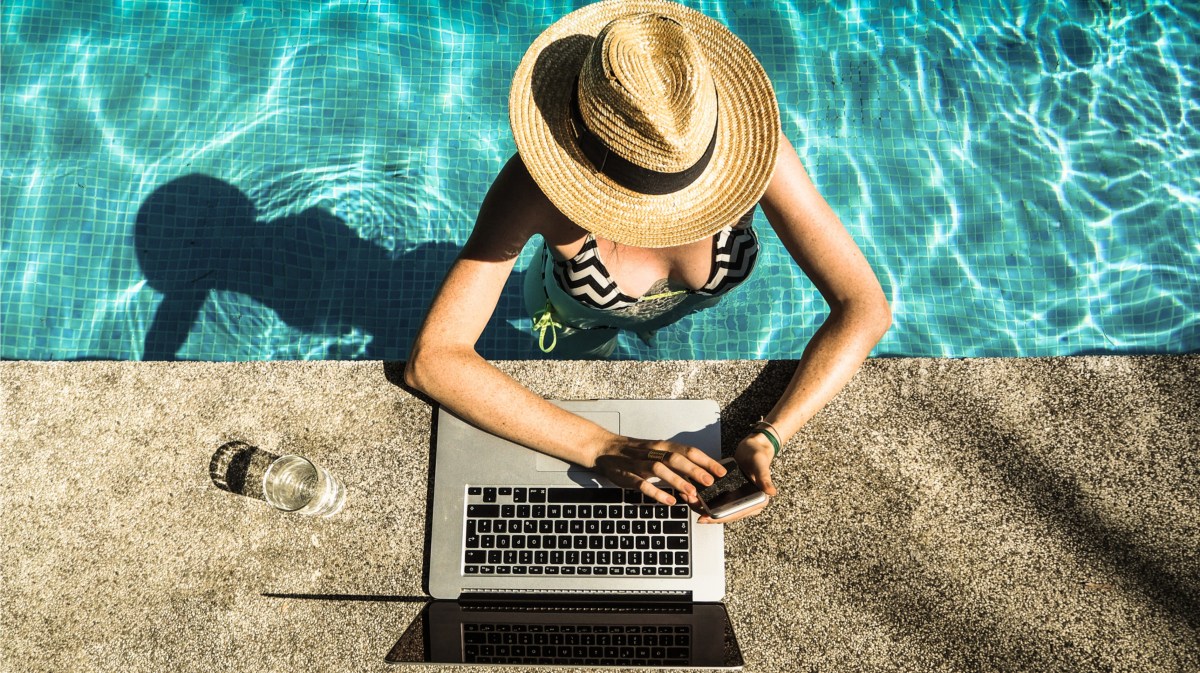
column 443, row 362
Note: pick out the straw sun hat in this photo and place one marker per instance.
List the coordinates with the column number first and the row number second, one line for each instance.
column 645, row 122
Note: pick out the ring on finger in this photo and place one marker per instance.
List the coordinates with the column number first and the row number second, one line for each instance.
column 657, row 455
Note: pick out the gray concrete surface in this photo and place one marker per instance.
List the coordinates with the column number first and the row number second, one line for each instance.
column 939, row 515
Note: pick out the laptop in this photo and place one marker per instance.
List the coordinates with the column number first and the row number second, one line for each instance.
column 536, row 561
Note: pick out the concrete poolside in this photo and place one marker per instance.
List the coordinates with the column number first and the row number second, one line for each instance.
column 939, row 515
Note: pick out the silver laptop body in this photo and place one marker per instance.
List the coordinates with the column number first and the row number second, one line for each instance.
column 468, row 460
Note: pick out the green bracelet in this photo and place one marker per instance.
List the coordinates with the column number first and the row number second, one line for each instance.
column 768, row 430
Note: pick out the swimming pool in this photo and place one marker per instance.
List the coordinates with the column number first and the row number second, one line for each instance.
column 289, row 180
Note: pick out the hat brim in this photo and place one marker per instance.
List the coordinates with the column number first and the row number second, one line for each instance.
column 735, row 179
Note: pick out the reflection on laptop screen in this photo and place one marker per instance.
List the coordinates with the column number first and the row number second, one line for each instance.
column 570, row 634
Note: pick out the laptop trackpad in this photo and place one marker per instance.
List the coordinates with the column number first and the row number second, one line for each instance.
column 609, row 420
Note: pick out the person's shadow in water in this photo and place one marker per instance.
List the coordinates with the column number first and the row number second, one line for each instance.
column 197, row 234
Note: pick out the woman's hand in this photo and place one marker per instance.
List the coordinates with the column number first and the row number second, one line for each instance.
column 647, row 464
column 754, row 455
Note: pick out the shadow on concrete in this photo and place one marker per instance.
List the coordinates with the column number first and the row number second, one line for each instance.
column 762, row 393
column 1060, row 501
column 362, row 598
column 237, row 467
column 924, row 603
column 198, row 234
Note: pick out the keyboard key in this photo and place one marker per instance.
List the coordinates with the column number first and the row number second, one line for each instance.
column 584, row 495
column 677, row 542
column 482, row 511
column 489, row 494
column 475, row 490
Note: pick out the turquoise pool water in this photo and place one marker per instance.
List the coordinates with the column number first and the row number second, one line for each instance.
column 261, row 180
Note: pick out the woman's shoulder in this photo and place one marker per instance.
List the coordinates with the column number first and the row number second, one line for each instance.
column 516, row 191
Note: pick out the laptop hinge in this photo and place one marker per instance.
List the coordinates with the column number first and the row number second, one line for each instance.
column 575, row 599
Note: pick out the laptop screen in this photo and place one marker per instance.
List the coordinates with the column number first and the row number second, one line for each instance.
column 570, row 633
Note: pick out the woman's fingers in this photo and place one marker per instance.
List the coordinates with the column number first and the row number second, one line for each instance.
column 651, row 466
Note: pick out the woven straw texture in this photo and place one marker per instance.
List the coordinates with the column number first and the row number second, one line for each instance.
column 666, row 130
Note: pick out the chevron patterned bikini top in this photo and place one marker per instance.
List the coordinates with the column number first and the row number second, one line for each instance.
column 585, row 278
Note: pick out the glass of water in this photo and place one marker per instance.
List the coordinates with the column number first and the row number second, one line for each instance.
column 294, row 484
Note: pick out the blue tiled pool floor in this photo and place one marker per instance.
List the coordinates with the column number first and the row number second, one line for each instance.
column 289, row 180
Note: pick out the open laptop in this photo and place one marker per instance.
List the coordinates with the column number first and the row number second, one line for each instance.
column 535, row 561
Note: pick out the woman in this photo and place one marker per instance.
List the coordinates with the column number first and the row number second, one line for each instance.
column 646, row 133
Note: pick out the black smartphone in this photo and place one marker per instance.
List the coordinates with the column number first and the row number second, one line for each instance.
column 730, row 494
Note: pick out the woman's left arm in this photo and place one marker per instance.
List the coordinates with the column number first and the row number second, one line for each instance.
column 858, row 310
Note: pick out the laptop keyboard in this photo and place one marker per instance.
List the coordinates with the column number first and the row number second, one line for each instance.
column 578, row 645
column 574, row 531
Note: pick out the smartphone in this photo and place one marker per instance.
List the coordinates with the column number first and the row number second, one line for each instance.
column 730, row 494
